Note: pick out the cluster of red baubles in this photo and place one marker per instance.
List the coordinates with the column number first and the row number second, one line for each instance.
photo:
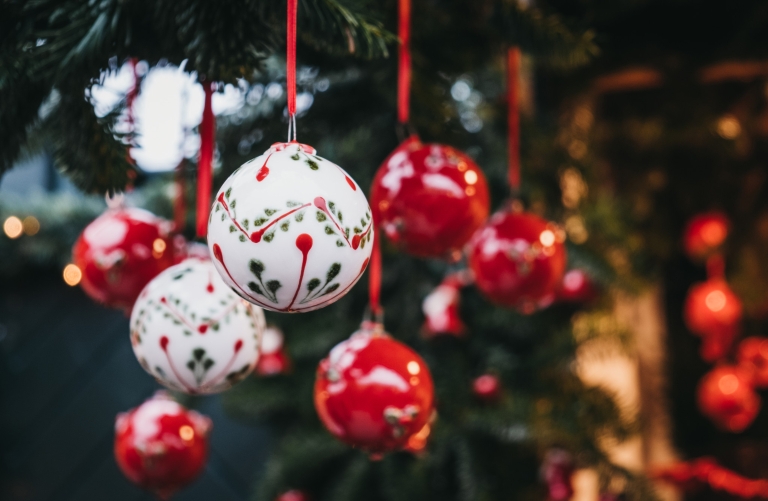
column 161, row 446
column 726, row 394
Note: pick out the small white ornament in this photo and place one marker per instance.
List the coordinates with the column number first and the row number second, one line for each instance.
column 290, row 231
column 190, row 331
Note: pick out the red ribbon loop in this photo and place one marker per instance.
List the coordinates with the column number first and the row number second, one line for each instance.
column 513, row 116
column 205, row 162
column 291, row 56
column 404, row 69
column 374, row 277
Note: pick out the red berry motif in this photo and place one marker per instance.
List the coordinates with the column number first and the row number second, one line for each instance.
column 429, row 198
column 487, row 388
column 120, row 252
column 752, row 355
column 161, row 446
column 704, row 234
column 374, row 392
column 726, row 397
column 518, row 260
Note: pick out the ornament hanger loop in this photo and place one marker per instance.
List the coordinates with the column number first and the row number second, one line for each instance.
column 292, row 128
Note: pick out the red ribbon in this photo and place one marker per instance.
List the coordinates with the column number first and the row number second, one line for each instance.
column 513, row 116
column 205, row 162
column 291, row 56
column 404, row 69
column 374, row 277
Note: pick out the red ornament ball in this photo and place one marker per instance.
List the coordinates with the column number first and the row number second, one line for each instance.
column 293, row 495
column 273, row 359
column 727, row 398
column 487, row 388
column 518, row 260
column 120, row 252
column 577, row 287
column 429, row 198
column 441, row 311
column 712, row 308
column 704, row 234
column 374, row 392
column 161, row 446
column 752, row 355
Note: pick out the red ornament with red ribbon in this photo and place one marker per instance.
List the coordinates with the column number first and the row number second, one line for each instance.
column 705, row 234
column 726, row 396
column 374, row 392
column 427, row 198
column 161, row 446
column 120, row 252
column 714, row 312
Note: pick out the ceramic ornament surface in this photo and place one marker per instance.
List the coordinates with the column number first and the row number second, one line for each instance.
column 290, row 231
column 192, row 333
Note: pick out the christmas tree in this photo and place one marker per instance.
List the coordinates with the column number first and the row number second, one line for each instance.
column 632, row 121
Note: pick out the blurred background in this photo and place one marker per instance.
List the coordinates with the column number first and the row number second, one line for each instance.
column 637, row 117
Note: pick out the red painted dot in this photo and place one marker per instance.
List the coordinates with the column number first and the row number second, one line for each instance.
column 263, row 173
column 164, row 343
column 351, row 183
column 304, row 243
column 356, row 241
column 238, row 345
column 320, row 203
column 203, row 328
column 209, row 288
column 163, row 300
column 217, row 253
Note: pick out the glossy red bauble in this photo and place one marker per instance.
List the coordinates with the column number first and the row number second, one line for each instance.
column 711, row 308
column 727, row 398
column 704, row 234
column 429, row 198
column 487, row 388
column 120, row 252
column 752, row 356
column 577, row 287
column 373, row 391
column 273, row 359
column 441, row 311
column 518, row 260
column 161, row 446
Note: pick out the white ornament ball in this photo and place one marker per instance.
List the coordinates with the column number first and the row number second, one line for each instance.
column 190, row 331
column 290, row 231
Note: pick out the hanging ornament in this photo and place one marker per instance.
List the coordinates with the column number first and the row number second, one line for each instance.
column 487, row 388
column 441, row 308
column 577, row 287
column 161, row 446
column 752, row 355
column 704, row 234
column 289, row 230
column 191, row 333
column 120, row 252
column 293, row 495
column 726, row 397
column 273, row 359
column 518, row 260
column 557, row 470
column 373, row 392
column 429, row 198
column 712, row 309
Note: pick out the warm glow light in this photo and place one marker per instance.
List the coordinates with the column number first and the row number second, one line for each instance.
column 158, row 245
column 413, row 367
column 72, row 274
column 713, row 233
column 715, row 300
column 470, row 190
column 470, row 177
column 186, row 433
column 547, row 238
column 383, row 205
column 13, row 227
column 31, row 225
column 728, row 384
column 462, row 166
column 728, row 127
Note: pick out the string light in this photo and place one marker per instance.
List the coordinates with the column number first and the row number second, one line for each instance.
column 72, row 275
column 186, row 433
column 13, row 227
column 31, row 225
column 728, row 127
